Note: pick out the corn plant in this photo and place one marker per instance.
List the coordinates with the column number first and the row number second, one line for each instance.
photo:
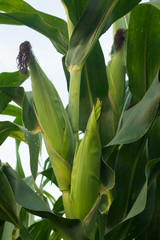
column 109, row 178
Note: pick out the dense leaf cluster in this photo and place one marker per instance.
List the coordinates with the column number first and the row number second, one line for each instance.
column 109, row 179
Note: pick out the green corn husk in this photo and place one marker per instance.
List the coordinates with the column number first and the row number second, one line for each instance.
column 85, row 179
column 51, row 116
column 116, row 80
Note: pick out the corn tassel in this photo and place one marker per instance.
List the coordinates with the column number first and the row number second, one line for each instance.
column 52, row 118
column 85, row 182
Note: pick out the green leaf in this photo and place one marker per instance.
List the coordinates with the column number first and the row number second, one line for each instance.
column 101, row 221
column 153, row 231
column 14, row 93
column 41, row 230
column 84, row 36
column 7, row 231
column 20, row 13
column 107, row 175
column 34, row 148
column 48, row 173
column 20, row 133
column 4, row 100
column 154, row 140
column 97, row 17
column 140, row 117
column 55, row 236
column 142, row 209
column 12, row 110
column 8, row 209
column 13, row 79
column 29, row 117
column 152, row 171
column 27, row 198
column 24, row 233
column 90, row 220
column 19, row 167
column 8, row 128
column 142, row 220
column 58, row 207
column 126, row 169
column 143, row 54
column 122, row 8
column 75, row 9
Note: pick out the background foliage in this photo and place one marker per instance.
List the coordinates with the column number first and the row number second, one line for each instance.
column 110, row 179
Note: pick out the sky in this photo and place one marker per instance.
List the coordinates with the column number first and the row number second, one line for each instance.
column 48, row 58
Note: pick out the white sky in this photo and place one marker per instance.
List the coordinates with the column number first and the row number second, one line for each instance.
column 49, row 59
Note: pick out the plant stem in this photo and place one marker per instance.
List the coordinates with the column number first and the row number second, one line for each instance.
column 67, row 204
column 74, row 97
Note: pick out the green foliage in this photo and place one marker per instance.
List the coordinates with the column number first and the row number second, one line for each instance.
column 109, row 179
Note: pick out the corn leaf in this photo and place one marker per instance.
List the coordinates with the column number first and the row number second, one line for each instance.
column 8, row 209
column 122, row 8
column 125, row 180
column 13, row 93
column 107, row 175
column 33, row 141
column 90, row 221
column 142, row 208
column 20, row 133
column 84, row 37
column 20, row 13
column 143, row 55
column 7, row 230
column 97, row 15
column 12, row 110
column 28, row 199
column 41, row 230
column 19, row 167
column 154, row 140
column 13, row 79
column 24, row 233
column 29, row 118
column 153, row 229
column 75, row 9
column 135, row 127
column 6, row 128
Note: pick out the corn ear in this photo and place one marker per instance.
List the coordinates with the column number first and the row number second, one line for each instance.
column 116, row 76
column 51, row 115
column 85, row 179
